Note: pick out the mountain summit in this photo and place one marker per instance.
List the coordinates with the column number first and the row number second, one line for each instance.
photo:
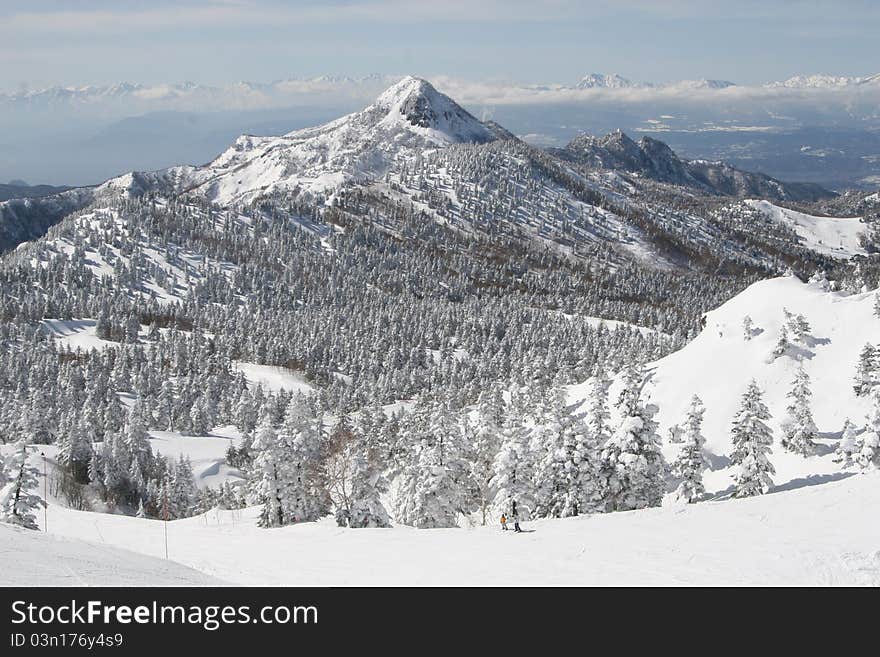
column 409, row 118
column 421, row 106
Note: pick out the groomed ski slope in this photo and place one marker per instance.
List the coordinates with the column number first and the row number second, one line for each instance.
column 815, row 535
column 38, row 559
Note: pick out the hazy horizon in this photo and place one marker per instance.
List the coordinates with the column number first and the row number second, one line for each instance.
column 47, row 42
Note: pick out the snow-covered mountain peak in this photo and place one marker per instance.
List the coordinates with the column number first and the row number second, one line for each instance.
column 414, row 101
column 605, row 81
column 409, row 118
column 397, row 94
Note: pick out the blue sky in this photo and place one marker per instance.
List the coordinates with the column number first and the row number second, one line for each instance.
column 46, row 42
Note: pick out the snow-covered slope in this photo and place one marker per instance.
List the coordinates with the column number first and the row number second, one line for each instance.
column 817, row 535
column 719, row 363
column 39, row 559
column 408, row 118
column 834, row 236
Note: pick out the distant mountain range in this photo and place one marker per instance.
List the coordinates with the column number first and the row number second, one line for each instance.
column 826, row 81
column 20, row 189
column 614, row 81
column 249, row 92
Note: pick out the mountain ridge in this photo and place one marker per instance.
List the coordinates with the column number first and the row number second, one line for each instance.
column 656, row 160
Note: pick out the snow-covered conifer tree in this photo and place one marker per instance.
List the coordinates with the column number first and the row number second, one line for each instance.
column 301, row 438
column 367, row 487
column 847, row 445
column 632, row 464
column 799, row 429
column 691, row 460
column 18, row 501
column 752, row 440
column 74, row 448
column 271, row 475
column 486, row 443
column 867, row 371
column 798, row 327
column 137, row 437
column 566, row 475
column 183, row 492
column 552, row 477
column 867, row 448
column 598, row 414
column 782, row 344
column 513, row 472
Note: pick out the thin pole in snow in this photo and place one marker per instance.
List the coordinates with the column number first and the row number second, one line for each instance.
column 45, row 494
column 165, row 522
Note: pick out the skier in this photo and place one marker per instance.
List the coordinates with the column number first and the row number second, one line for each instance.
column 503, row 522
column 516, row 523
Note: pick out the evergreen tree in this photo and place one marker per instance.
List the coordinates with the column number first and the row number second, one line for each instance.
column 752, row 440
column 598, row 414
column 867, row 371
column 301, row 437
column 783, row 343
column 272, row 475
column 691, row 460
column 485, row 445
column 847, row 445
column 18, row 502
column 435, row 482
column 632, row 465
column 799, row 430
column 182, row 490
column 567, row 470
column 513, row 472
column 137, row 438
column 74, row 448
column 367, row 487
column 867, row 448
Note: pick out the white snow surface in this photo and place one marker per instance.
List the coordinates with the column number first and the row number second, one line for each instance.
column 833, row 236
column 76, row 334
column 207, row 454
column 41, row 559
column 822, row 535
column 719, row 363
column 274, row 378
